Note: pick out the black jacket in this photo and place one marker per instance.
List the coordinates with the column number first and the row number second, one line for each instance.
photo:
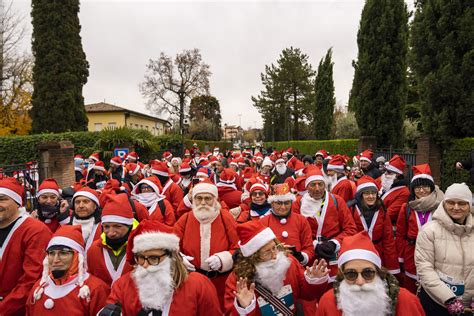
column 468, row 164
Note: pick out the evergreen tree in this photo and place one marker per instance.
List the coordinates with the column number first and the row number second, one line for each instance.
column 379, row 88
column 60, row 69
column 324, row 98
column 207, row 108
column 442, row 58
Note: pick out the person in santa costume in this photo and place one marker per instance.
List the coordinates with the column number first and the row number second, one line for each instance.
column 79, row 167
column 281, row 172
column 258, row 207
column 159, row 283
column 207, row 236
column 106, row 256
column 265, row 280
column 65, row 286
column 49, row 204
column 342, row 187
column 319, row 158
column 369, row 168
column 258, row 158
column 292, row 161
column 363, row 287
column 186, row 174
column 22, row 244
column 149, row 193
column 328, row 215
column 132, row 174
column 116, row 168
column 227, row 189
column 171, row 190
column 394, row 187
column 97, row 176
column 264, row 173
column 424, row 198
column 370, row 215
column 85, row 212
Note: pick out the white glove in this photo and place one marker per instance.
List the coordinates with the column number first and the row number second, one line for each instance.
column 214, row 262
column 187, row 262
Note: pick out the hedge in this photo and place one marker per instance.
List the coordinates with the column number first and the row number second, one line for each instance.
column 310, row 147
column 459, row 150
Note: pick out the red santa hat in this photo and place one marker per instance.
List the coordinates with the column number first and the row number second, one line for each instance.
column 118, row 210
column 422, row 171
column 228, row 176
column 281, row 192
column 300, row 184
column 358, row 247
column 132, row 156
column 322, row 153
column 259, row 186
column 314, row 175
column 253, row 236
column 152, row 181
column 187, row 152
column 396, row 164
column 205, row 187
column 233, row 162
column 78, row 157
column 117, row 161
column 99, row 165
column 95, row 157
column 167, row 155
column 366, row 183
column 148, row 235
column 159, row 168
column 132, row 168
column 259, row 156
column 185, row 167
column 247, row 173
column 235, row 155
column 12, row 188
column 288, row 151
column 202, row 172
column 366, row 155
column 88, row 193
column 49, row 186
column 337, row 163
column 241, row 162
column 279, row 160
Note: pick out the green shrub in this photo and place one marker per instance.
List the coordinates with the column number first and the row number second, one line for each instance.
column 458, row 151
column 310, row 147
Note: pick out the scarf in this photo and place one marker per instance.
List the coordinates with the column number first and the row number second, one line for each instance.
column 428, row 203
column 260, row 209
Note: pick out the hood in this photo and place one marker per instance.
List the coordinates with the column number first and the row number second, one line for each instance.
column 443, row 218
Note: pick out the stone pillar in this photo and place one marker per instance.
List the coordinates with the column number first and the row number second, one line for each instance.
column 367, row 142
column 56, row 160
column 428, row 152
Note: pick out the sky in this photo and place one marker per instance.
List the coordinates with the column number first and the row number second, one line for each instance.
column 236, row 39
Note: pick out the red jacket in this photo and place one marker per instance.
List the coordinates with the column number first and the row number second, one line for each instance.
column 155, row 213
column 393, row 200
column 230, row 196
column 173, row 193
column 295, row 164
column 344, row 189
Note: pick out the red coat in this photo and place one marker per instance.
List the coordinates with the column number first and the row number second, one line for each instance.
column 196, row 296
column 393, row 200
column 264, row 178
column 66, row 300
column 407, row 304
column 380, row 232
column 169, row 219
column 21, row 263
column 99, row 264
column 53, row 224
column 295, row 164
column 142, row 212
column 344, row 189
column 230, row 196
column 407, row 231
column 294, row 277
column 173, row 193
column 186, row 206
column 294, row 231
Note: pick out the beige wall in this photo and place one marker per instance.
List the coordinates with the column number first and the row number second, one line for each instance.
column 135, row 121
column 105, row 119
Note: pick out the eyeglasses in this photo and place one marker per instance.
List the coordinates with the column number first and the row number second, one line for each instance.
column 152, row 260
column 62, row 254
column 280, row 203
column 422, row 187
column 257, row 193
column 269, row 253
column 208, row 199
column 368, row 193
column 146, row 188
column 351, row 275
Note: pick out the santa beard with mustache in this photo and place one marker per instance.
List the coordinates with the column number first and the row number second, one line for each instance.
column 280, row 169
column 369, row 299
column 155, row 285
column 205, row 213
column 271, row 274
column 387, row 181
column 331, row 181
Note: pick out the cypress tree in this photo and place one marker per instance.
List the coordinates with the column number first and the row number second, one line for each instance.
column 379, row 87
column 324, row 98
column 442, row 58
column 61, row 68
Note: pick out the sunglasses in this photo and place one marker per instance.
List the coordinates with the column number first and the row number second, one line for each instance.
column 257, row 193
column 351, row 275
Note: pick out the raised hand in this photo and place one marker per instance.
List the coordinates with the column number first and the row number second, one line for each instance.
column 318, row 269
column 243, row 293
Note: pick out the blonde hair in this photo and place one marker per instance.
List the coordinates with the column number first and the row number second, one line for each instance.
column 178, row 269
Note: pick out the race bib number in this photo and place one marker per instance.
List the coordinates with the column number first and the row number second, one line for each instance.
column 285, row 295
column 456, row 286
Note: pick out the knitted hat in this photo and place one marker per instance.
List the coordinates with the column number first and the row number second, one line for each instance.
column 12, row 188
column 358, row 246
column 337, row 163
column 152, row 181
column 458, row 191
column 117, row 210
column 366, row 183
column 396, row 164
column 117, row 161
column 366, row 155
column 253, row 236
column 49, row 186
column 280, row 193
column 159, row 168
column 314, row 175
column 148, row 235
column 88, row 193
column 205, row 187
column 99, row 165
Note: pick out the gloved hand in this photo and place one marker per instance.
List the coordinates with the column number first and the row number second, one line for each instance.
column 187, row 262
column 110, row 310
column 326, row 250
column 214, row 262
column 454, row 306
column 297, row 254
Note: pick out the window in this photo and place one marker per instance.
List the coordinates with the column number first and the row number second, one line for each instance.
column 112, row 124
column 136, row 125
column 97, row 127
column 141, row 126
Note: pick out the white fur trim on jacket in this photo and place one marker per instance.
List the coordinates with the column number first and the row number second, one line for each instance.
column 226, row 259
column 257, row 242
column 155, row 240
column 205, row 234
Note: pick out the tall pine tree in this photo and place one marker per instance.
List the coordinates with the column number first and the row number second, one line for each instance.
column 324, row 98
column 61, row 68
column 442, row 58
column 379, row 88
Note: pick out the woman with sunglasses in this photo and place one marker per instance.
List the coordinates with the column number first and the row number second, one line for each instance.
column 257, row 206
column 363, row 286
column 370, row 215
column 423, row 201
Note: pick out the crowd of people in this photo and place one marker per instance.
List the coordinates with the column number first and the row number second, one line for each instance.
column 238, row 233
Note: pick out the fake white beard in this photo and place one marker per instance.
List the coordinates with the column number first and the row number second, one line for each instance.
column 86, row 226
column 206, row 214
column 370, row 299
column 147, row 199
column 331, row 181
column 281, row 169
column 271, row 274
column 185, row 182
column 387, row 181
column 154, row 284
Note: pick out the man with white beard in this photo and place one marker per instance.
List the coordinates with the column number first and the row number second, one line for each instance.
column 363, row 287
column 265, row 280
column 159, row 283
column 281, row 172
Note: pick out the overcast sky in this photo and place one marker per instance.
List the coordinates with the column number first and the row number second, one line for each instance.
column 236, row 38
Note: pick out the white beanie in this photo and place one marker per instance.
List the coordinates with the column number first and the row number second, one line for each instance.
column 267, row 162
column 458, row 191
column 205, row 187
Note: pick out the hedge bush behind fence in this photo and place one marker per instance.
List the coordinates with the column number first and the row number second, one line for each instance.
column 458, row 151
column 310, row 147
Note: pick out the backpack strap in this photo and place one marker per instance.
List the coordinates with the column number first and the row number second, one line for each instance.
column 134, row 210
column 162, row 208
column 335, row 201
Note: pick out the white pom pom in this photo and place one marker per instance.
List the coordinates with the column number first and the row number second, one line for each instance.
column 284, row 234
column 283, row 221
column 84, row 293
column 48, row 304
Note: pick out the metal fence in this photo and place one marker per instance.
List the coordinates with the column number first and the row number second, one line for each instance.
column 387, row 153
column 27, row 175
